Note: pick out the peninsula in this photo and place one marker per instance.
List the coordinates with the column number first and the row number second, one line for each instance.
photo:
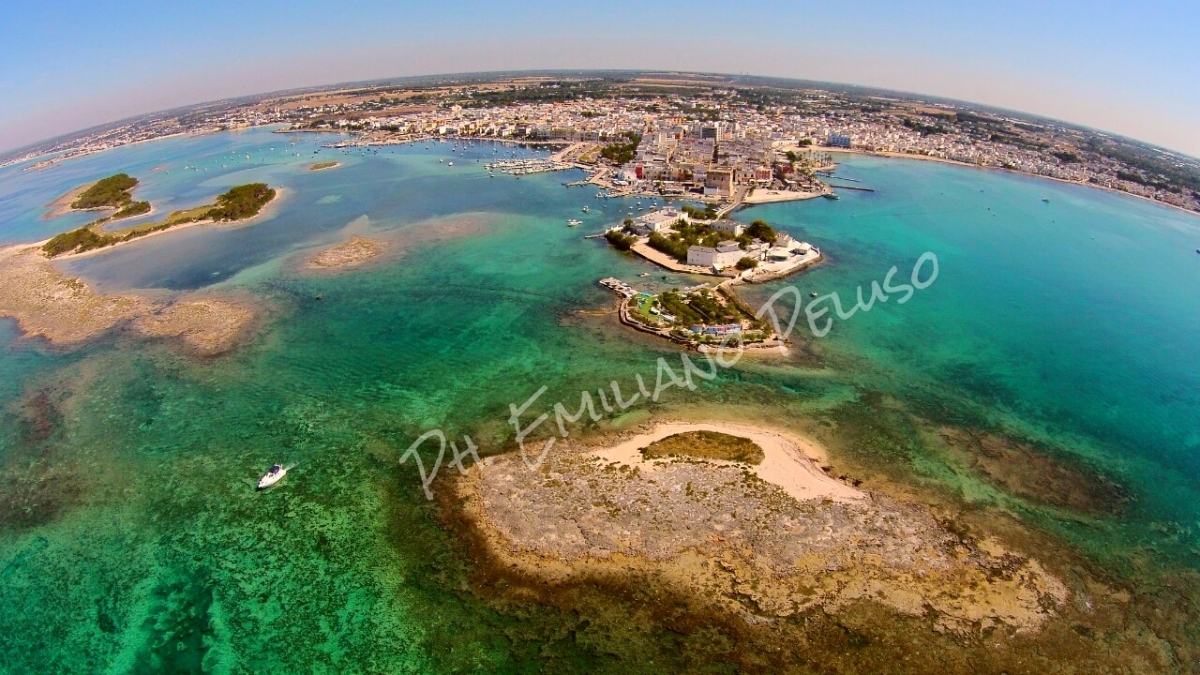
column 239, row 203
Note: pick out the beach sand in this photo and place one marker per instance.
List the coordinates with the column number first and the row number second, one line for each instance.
column 792, row 463
column 772, row 196
column 62, row 205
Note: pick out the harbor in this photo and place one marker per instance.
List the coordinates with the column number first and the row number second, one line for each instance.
column 525, row 167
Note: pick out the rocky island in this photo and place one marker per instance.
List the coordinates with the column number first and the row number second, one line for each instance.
column 356, row 252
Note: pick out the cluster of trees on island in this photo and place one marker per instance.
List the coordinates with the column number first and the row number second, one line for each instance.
column 239, row 203
column 114, row 192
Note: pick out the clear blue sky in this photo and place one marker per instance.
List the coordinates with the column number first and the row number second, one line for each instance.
column 1131, row 68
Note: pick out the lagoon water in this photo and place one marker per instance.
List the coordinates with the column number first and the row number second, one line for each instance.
column 131, row 539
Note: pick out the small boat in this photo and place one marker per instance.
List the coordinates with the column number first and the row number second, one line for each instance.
column 1046, row 199
column 450, row 164
column 574, row 223
column 272, row 477
column 644, row 274
column 586, row 209
column 830, row 195
column 814, row 294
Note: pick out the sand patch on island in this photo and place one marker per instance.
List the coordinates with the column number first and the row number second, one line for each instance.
column 62, row 205
column 790, row 462
column 762, row 544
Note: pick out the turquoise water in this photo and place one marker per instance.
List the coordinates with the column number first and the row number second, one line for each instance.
column 131, row 539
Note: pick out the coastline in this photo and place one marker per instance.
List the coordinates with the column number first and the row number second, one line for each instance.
column 62, row 205
column 942, row 160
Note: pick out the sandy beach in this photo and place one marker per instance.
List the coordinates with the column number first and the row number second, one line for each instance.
column 761, row 196
column 791, row 463
column 62, row 205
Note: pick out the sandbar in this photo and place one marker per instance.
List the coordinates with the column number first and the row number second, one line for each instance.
column 354, row 253
column 66, row 312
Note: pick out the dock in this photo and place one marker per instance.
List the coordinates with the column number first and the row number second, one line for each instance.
column 619, row 287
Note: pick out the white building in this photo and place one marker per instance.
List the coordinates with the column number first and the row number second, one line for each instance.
column 726, row 254
column 731, row 226
column 657, row 221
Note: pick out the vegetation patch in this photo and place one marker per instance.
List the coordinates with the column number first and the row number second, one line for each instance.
column 239, row 203
column 112, row 192
column 620, row 241
column 685, row 234
column 622, row 153
column 706, row 445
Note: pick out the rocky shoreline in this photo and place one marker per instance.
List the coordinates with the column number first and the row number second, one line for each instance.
column 67, row 312
column 719, row 532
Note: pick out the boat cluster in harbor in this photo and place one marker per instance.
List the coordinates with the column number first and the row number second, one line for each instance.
column 522, row 167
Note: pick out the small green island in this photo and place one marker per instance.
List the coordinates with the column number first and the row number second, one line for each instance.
column 114, row 192
column 321, row 166
column 239, row 203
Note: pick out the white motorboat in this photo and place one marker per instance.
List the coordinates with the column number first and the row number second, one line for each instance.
column 276, row 474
